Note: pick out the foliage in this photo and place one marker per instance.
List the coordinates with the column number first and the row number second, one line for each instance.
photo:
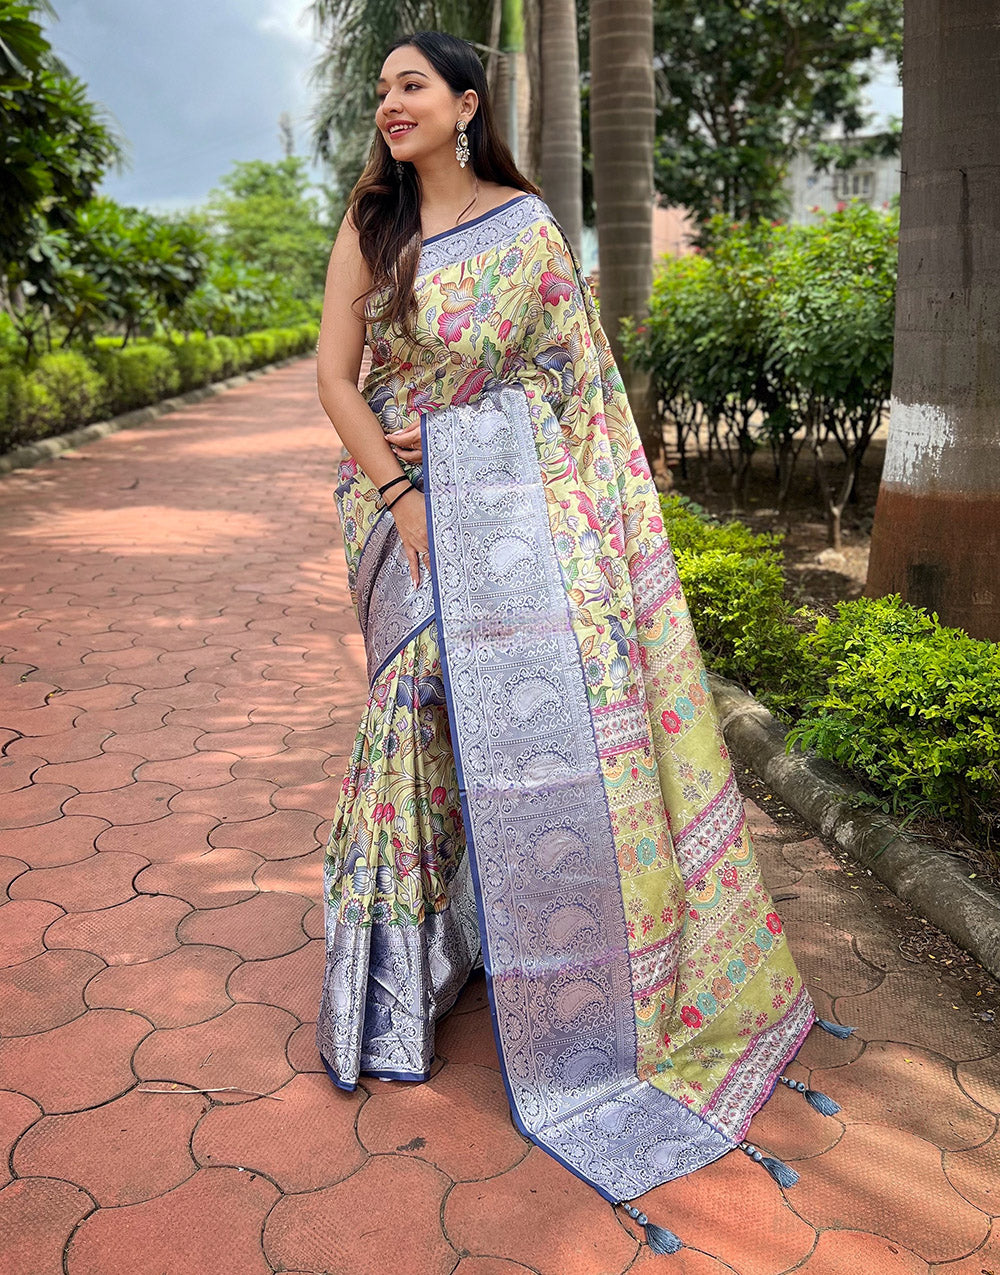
column 776, row 335
column 267, row 222
column 742, row 86
column 910, row 705
column 734, row 585
column 66, row 390
column 55, row 144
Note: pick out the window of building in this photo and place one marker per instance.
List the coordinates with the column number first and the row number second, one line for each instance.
column 855, row 184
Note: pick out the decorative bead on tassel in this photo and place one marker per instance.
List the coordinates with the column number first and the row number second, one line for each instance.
column 782, row 1173
column 835, row 1029
column 818, row 1101
column 659, row 1239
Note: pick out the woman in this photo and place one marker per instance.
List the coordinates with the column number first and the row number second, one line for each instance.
column 539, row 771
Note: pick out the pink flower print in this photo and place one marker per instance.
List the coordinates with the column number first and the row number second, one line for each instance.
column 457, row 310
column 555, row 288
column 670, row 721
column 438, row 797
column 691, row 1016
column 505, row 330
column 472, row 385
column 773, row 922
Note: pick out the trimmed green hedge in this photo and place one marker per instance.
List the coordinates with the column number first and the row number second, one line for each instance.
column 70, row 388
column 883, row 689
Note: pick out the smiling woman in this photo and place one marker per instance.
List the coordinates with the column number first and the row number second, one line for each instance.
column 539, row 776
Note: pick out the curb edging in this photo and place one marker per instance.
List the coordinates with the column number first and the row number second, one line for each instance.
column 29, row 454
column 933, row 882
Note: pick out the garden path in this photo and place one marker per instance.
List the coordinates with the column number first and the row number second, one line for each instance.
column 180, row 680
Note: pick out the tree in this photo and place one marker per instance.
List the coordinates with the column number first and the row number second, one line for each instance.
column 622, row 122
column 561, row 140
column 936, row 538
column 741, row 86
column 264, row 214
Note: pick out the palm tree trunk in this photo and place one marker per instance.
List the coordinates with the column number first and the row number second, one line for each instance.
column 562, row 139
column 936, row 538
column 622, row 130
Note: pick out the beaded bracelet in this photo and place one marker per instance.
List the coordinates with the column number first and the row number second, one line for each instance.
column 397, row 499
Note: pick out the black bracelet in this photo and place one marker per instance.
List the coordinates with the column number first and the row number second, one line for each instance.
column 401, row 479
column 397, row 499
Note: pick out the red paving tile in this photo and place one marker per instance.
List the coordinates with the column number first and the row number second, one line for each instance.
column 76, row 1065
column 17, row 1113
column 65, row 840
column 354, row 1226
column 459, row 1121
column 265, row 925
column 212, row 879
column 210, row 1223
column 302, row 1137
column 195, row 621
column 139, row 930
column 37, row 1216
column 22, row 924
column 45, row 991
column 128, row 1150
column 241, row 1052
column 186, row 986
column 100, row 881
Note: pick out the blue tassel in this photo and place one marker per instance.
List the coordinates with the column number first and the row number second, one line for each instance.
column 835, row 1029
column 778, row 1170
column 818, row 1101
column 782, row 1173
column 821, row 1103
column 659, row 1239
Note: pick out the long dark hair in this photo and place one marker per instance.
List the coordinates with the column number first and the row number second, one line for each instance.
column 385, row 206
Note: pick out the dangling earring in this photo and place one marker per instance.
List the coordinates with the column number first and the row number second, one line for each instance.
column 399, row 169
column 462, row 145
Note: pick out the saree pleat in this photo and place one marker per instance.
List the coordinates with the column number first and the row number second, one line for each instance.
column 540, row 771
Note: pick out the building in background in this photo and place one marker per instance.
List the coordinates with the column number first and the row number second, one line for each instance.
column 811, row 192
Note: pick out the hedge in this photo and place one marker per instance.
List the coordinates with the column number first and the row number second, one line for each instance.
column 70, row 388
column 882, row 688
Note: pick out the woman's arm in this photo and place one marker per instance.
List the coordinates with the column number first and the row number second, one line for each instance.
column 341, row 345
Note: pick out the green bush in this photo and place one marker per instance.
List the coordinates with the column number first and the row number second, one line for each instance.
column 912, row 706
column 883, row 689
column 136, row 375
column 26, row 409
column 75, row 389
column 735, row 589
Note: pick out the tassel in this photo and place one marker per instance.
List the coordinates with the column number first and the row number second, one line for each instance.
column 835, row 1029
column 781, row 1172
column 818, row 1101
column 659, row 1239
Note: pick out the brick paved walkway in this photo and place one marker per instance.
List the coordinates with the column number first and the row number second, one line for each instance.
column 180, row 682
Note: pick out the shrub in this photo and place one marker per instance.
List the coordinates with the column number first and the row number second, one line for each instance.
column 912, row 706
column 136, row 375
column 75, row 390
column 734, row 585
column 26, row 409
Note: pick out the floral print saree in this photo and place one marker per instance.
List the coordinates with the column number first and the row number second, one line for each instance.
column 539, row 779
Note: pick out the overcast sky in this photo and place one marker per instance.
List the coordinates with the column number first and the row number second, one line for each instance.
column 197, row 84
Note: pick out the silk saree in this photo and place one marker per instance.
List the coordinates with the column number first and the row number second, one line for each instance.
column 539, row 781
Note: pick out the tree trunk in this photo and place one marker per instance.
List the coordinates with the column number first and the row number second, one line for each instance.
column 513, row 74
column 622, row 130
column 562, row 139
column 936, row 538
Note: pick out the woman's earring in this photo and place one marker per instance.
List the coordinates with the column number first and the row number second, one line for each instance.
column 399, row 169
column 462, row 144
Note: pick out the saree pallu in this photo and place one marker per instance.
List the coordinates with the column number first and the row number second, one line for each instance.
column 540, row 777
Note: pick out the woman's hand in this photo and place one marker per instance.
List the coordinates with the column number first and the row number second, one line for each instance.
column 405, row 444
column 411, row 523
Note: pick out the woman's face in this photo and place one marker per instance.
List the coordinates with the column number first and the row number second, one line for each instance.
column 417, row 110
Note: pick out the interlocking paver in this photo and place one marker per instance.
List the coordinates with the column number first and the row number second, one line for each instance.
column 181, row 675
